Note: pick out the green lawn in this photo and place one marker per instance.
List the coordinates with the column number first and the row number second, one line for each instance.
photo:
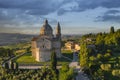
column 28, row 59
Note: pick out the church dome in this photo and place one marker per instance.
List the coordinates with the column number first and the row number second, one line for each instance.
column 46, row 29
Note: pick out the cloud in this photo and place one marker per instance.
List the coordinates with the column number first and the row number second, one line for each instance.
column 21, row 13
column 83, row 5
column 112, row 12
column 45, row 7
column 61, row 11
column 16, row 18
column 6, row 19
column 33, row 7
column 26, row 12
column 110, row 16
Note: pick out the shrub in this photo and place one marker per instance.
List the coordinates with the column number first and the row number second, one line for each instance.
column 99, row 56
column 105, row 67
column 92, row 58
column 6, row 66
column 65, row 68
column 107, row 55
column 116, row 72
column 69, row 75
column 109, row 51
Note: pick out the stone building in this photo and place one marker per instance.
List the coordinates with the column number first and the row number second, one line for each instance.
column 70, row 45
column 77, row 47
column 46, row 42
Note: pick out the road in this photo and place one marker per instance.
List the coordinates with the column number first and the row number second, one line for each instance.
column 35, row 67
column 74, row 63
column 10, row 59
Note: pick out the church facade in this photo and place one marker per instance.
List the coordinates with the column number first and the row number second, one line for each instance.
column 46, row 42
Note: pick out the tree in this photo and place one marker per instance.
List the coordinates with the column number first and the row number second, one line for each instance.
column 105, row 67
column 116, row 72
column 99, row 75
column 28, row 49
column 107, row 55
column 6, row 66
column 91, row 51
column 100, row 42
column 99, row 56
column 118, row 41
column 53, row 60
column 65, row 68
column 84, row 56
column 112, row 30
column 66, row 73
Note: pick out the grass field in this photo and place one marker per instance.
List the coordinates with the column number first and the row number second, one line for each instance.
column 28, row 59
column 19, row 45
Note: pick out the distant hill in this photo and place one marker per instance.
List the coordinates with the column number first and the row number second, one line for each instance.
column 11, row 38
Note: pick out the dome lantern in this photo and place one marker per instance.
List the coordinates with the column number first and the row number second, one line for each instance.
column 46, row 29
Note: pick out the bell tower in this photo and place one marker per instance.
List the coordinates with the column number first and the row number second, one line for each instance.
column 58, row 31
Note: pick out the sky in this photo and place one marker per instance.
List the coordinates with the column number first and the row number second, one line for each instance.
column 75, row 16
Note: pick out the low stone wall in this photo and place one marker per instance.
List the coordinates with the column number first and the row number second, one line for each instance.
column 35, row 67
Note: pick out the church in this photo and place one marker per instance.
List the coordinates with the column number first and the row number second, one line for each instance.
column 43, row 45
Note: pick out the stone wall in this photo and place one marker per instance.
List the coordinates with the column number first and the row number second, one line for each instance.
column 45, row 55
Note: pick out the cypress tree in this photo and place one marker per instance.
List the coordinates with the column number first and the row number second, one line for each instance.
column 53, row 60
column 6, row 66
column 112, row 30
column 84, row 56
